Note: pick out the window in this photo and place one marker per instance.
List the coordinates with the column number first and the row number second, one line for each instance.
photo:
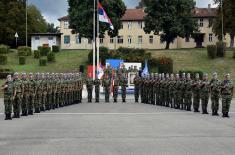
column 201, row 22
column 66, row 24
column 78, row 39
column 151, row 39
column 129, row 24
column 210, row 37
column 66, row 39
column 140, row 24
column 111, row 40
column 50, row 38
column 129, row 39
column 120, row 39
column 37, row 37
column 101, row 40
column 187, row 39
column 140, row 39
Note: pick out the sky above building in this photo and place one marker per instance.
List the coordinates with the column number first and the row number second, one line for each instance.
column 53, row 9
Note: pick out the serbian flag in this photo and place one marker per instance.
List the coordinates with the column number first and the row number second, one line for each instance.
column 103, row 17
column 100, row 71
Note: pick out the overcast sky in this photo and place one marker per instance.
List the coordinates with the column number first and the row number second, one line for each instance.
column 53, row 9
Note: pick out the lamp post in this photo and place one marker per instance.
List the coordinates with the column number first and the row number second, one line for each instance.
column 222, row 21
column 26, row 27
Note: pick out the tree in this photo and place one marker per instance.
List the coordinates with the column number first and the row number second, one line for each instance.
column 81, row 17
column 170, row 19
column 229, row 20
column 13, row 19
column 52, row 29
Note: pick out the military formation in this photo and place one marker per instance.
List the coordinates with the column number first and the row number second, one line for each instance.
column 183, row 92
column 27, row 94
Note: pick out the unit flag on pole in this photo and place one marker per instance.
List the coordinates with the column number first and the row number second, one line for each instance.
column 103, row 17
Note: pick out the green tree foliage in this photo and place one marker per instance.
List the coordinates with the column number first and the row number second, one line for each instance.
column 229, row 20
column 13, row 19
column 170, row 19
column 81, row 16
column 52, row 29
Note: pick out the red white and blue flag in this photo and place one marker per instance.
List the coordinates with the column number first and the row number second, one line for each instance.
column 100, row 71
column 103, row 17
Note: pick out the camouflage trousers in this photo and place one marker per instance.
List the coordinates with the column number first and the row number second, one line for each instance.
column 142, row 94
column 123, row 93
column 171, row 99
column 48, row 102
column 31, row 103
column 188, row 100
column 17, row 104
column 115, row 93
column 182, row 100
column 176, row 100
column 107, row 93
column 97, row 94
column 226, row 101
column 8, row 104
column 37, row 101
column 89, row 94
column 204, row 102
column 24, row 103
column 167, row 98
column 196, row 101
column 137, row 91
column 214, row 102
column 44, row 101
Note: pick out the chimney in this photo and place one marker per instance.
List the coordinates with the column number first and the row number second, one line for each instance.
column 209, row 8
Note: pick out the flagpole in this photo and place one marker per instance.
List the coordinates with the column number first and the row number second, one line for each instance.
column 26, row 26
column 94, row 38
column 98, row 38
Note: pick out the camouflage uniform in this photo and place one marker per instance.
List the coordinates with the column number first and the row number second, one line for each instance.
column 38, row 97
column 106, row 84
column 18, row 92
column 89, row 86
column 171, row 91
column 215, row 94
column 188, row 93
column 97, row 90
column 115, row 89
column 32, row 94
column 205, row 91
column 137, row 88
column 176, row 90
column 123, row 83
column 8, row 97
column 25, row 97
column 196, row 93
column 227, row 94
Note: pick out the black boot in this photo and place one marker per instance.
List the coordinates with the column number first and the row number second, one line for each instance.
column 42, row 109
column 37, row 110
column 30, row 112
column 8, row 117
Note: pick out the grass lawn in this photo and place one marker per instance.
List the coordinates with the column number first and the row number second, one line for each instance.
column 66, row 61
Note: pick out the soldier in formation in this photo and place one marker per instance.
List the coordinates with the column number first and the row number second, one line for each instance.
column 29, row 93
column 183, row 92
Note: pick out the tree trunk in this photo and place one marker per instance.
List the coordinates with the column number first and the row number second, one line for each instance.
column 232, row 40
column 167, row 45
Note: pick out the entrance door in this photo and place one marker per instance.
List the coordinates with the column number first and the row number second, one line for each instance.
column 51, row 41
column 36, row 42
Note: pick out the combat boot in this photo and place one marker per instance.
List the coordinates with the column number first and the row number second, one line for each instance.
column 42, row 109
column 123, row 100
column 136, row 101
column 30, row 112
column 8, row 117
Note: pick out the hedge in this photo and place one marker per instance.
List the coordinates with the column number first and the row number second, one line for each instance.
column 42, row 62
column 212, row 51
column 51, row 57
column 3, row 59
column 4, row 49
column 22, row 60
column 192, row 72
column 36, row 54
column 221, row 49
column 55, row 49
column 164, row 65
column 4, row 72
column 24, row 51
column 44, row 51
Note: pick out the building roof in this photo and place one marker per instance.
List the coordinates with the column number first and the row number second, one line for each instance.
column 46, row 34
column 139, row 14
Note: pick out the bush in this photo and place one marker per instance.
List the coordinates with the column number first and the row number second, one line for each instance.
column 164, row 65
column 234, row 54
column 22, row 60
column 42, row 62
column 24, row 51
column 4, row 49
column 211, row 51
column 55, row 49
column 36, row 54
column 51, row 57
column 44, row 51
column 4, row 72
column 192, row 72
column 3, row 59
column 221, row 49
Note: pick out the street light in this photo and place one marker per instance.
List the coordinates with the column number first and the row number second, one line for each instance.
column 222, row 21
column 26, row 14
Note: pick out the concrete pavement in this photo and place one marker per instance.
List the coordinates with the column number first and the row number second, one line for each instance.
column 119, row 129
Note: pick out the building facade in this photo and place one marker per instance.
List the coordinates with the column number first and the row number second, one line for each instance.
column 132, row 34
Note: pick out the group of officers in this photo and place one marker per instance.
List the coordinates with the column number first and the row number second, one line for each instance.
column 27, row 94
column 183, row 92
column 32, row 93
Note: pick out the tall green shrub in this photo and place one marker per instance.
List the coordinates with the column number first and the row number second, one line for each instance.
column 4, row 49
column 55, row 49
column 22, row 60
column 221, row 49
column 36, row 54
column 3, row 59
column 212, row 51
column 43, row 61
column 165, row 65
column 51, row 57
column 44, row 51
column 24, row 51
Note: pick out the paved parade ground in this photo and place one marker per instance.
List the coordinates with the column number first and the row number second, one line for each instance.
column 119, row 129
